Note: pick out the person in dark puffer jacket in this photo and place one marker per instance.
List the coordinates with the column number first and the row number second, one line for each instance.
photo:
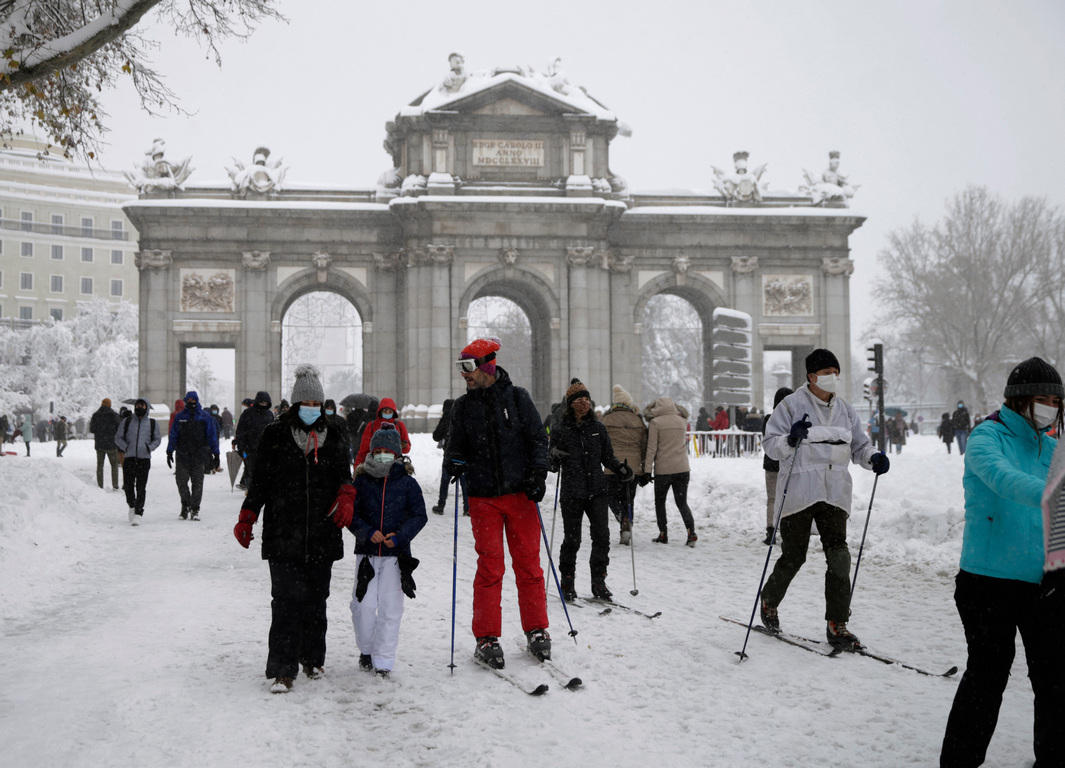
column 303, row 487
column 389, row 512
column 249, row 431
column 498, row 444
column 580, row 447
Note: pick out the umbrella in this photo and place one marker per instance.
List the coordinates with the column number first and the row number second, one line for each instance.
column 892, row 410
column 361, row 401
column 233, row 461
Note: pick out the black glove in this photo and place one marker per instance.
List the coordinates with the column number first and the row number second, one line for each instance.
column 365, row 576
column 800, row 430
column 880, row 463
column 407, row 564
column 644, row 479
column 536, row 485
column 558, row 454
column 170, row 460
column 555, row 465
column 625, row 473
column 456, row 467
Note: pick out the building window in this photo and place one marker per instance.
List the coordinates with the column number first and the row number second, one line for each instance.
column 57, row 252
column 116, row 257
column 27, row 250
column 25, row 313
column 56, row 285
column 25, row 281
column 56, row 313
column 86, row 254
column 86, row 227
column 117, row 231
column 27, row 221
column 86, row 286
column 57, row 224
column 116, row 287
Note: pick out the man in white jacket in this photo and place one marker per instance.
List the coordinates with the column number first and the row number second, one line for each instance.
column 815, row 435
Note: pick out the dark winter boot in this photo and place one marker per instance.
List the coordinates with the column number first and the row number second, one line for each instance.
column 770, row 619
column 569, row 589
column 184, row 512
column 692, row 538
column 661, row 538
column 194, row 515
column 365, row 662
column 489, row 652
column 599, row 587
column 840, row 637
column 539, row 643
column 768, row 535
column 438, row 509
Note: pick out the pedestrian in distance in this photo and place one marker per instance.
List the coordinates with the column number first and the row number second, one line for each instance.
column 1003, row 586
column 337, row 421
column 580, row 448
column 389, row 513
column 962, row 426
column 249, row 430
column 103, row 424
column 218, row 431
column 772, row 468
column 26, row 433
column 194, row 438
column 493, row 420
column 440, row 434
column 667, row 460
column 628, row 437
column 386, row 414
column 62, row 430
column 136, row 437
column 302, row 487
column 227, row 423
column 946, row 430
column 819, row 435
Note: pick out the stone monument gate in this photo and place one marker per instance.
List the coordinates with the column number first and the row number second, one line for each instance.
column 501, row 187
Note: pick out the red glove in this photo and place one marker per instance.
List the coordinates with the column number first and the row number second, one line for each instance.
column 343, row 510
column 242, row 530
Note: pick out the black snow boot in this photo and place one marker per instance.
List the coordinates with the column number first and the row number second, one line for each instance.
column 184, row 512
column 842, row 638
column 599, row 587
column 770, row 618
column 569, row 589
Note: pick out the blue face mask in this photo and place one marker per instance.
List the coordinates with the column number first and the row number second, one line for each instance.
column 387, row 414
column 329, row 412
column 310, row 413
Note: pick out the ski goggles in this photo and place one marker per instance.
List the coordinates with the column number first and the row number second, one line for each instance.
column 469, row 365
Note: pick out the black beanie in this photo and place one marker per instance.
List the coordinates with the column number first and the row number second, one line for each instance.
column 1035, row 376
column 820, row 359
column 781, row 394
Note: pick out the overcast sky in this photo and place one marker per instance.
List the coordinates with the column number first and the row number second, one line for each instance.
column 921, row 98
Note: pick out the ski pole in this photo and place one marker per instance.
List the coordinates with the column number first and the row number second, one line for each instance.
column 558, row 584
column 776, row 526
column 632, row 551
column 455, row 573
column 858, row 562
column 554, row 513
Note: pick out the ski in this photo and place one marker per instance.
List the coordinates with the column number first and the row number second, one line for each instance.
column 539, row 690
column 785, row 638
column 566, row 681
column 860, row 651
column 610, row 604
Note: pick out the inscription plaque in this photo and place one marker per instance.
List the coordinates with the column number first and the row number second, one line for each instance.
column 507, row 153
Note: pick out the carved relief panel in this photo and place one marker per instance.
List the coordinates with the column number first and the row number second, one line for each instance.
column 207, row 290
column 787, row 295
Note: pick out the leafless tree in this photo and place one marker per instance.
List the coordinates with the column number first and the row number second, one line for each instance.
column 979, row 290
column 59, row 55
column 504, row 319
column 672, row 335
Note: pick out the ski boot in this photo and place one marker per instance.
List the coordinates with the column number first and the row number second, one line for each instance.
column 770, row 618
column 600, row 589
column 841, row 638
column 489, row 652
column 539, row 643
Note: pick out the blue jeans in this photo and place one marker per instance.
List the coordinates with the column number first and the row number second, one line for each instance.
column 962, row 436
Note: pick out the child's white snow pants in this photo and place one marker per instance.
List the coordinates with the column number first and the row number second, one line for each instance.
column 376, row 619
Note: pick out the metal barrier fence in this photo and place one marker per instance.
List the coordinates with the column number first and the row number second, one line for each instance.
column 731, row 443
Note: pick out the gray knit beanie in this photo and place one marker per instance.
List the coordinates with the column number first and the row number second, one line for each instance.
column 308, row 387
column 386, row 437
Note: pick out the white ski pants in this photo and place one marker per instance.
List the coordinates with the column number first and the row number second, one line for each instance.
column 376, row 619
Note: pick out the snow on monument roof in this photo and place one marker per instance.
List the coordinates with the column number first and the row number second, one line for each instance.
column 552, row 84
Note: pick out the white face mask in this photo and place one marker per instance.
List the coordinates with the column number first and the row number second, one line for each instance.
column 384, row 458
column 1045, row 415
column 828, row 382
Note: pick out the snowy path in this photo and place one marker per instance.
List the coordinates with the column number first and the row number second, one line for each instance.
column 146, row 646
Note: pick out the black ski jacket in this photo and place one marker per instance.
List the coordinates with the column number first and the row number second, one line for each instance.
column 588, row 444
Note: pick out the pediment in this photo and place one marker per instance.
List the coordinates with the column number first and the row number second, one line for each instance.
column 510, row 96
column 508, row 106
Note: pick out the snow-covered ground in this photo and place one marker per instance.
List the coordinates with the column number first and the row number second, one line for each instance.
column 146, row 646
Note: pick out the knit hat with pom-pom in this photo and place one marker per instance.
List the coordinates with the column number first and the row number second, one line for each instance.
column 388, row 438
column 621, row 397
column 308, row 386
column 576, row 391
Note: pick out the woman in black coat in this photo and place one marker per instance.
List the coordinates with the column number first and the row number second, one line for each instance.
column 303, row 486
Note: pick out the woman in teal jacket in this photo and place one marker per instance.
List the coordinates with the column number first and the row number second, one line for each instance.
column 998, row 589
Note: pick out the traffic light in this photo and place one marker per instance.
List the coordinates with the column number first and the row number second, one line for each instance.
column 731, row 346
column 867, row 389
column 876, row 358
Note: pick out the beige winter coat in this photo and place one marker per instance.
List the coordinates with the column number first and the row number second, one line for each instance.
column 628, row 437
column 667, row 432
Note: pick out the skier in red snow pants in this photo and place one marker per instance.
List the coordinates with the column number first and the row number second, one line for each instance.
column 498, row 447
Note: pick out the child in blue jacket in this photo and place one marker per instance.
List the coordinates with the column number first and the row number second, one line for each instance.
column 389, row 512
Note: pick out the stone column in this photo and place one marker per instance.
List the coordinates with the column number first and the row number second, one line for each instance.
column 747, row 297
column 836, row 272
column 157, row 297
column 256, row 349
column 385, row 346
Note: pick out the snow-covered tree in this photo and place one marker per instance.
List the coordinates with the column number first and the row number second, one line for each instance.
column 59, row 55
column 502, row 318
column 980, row 290
column 72, row 364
